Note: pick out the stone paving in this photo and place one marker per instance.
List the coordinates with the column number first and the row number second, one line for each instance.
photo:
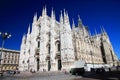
column 61, row 76
column 40, row 76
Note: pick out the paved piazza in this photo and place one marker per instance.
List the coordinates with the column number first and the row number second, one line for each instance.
column 61, row 76
column 40, row 76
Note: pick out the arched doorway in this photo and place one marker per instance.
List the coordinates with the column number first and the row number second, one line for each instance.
column 38, row 64
column 48, row 57
column 59, row 65
column 49, row 65
column 58, row 54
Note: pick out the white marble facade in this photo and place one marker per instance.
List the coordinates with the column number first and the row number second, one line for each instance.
column 53, row 45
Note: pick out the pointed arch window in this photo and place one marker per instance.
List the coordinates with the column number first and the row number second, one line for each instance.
column 38, row 44
column 58, row 47
column 49, row 49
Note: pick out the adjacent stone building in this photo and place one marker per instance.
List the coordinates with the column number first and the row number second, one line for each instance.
column 9, row 59
column 54, row 45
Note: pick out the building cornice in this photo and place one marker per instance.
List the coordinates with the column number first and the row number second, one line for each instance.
column 10, row 50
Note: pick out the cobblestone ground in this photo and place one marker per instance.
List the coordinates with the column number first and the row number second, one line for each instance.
column 40, row 76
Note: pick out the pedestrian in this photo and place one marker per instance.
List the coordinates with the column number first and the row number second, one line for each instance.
column 65, row 71
column 31, row 70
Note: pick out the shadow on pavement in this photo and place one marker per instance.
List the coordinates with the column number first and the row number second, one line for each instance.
column 112, row 75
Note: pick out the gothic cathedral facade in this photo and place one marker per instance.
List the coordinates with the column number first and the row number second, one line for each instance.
column 51, row 45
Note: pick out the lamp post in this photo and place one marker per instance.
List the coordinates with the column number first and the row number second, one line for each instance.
column 4, row 37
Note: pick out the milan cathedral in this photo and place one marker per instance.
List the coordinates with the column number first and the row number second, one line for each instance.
column 53, row 45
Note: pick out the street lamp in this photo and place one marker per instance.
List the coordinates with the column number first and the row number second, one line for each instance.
column 4, row 37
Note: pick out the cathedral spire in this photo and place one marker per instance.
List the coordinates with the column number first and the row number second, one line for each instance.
column 44, row 11
column 79, row 19
column 61, row 18
column 52, row 19
column 73, row 24
column 65, row 18
column 66, row 21
column 53, row 14
column 90, row 33
column 24, row 37
column 101, row 29
column 23, row 40
column 28, row 29
column 95, row 32
column 35, row 17
column 79, row 22
column 104, row 32
column 61, row 22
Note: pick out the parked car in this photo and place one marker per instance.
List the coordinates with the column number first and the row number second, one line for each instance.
column 99, row 70
column 10, row 72
column 17, row 72
column 77, row 71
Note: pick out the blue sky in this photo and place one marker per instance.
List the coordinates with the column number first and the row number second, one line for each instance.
column 16, row 15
